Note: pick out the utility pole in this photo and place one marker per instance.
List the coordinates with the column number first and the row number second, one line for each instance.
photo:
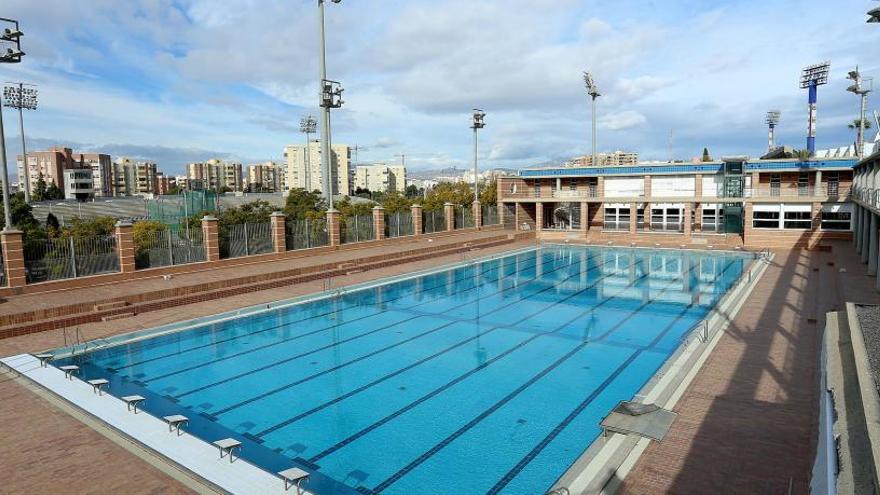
column 593, row 92
column 12, row 36
column 331, row 97
column 478, row 123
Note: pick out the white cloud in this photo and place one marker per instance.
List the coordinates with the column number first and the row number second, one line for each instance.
column 622, row 120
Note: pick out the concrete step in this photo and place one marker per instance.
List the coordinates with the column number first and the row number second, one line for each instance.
column 117, row 316
column 110, row 305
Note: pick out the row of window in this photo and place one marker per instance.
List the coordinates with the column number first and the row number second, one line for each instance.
column 801, row 219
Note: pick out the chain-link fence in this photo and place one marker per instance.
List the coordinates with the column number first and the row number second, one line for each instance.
column 69, row 257
column 490, row 214
column 464, row 217
column 357, row 228
column 433, row 221
column 246, row 239
column 399, row 224
column 169, row 247
column 304, row 234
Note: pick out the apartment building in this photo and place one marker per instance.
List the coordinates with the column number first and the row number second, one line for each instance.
column 380, row 177
column 102, row 171
column 264, row 177
column 736, row 201
column 215, row 174
column 49, row 165
column 164, row 183
column 612, row 159
column 134, row 178
column 79, row 184
column 304, row 167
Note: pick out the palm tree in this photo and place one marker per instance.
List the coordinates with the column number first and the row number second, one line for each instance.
column 855, row 124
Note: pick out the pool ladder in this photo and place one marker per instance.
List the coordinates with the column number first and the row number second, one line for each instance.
column 559, row 491
column 78, row 344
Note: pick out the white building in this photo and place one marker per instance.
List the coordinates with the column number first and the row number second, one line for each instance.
column 78, row 184
column 304, row 167
column 263, row 177
column 612, row 159
column 380, row 177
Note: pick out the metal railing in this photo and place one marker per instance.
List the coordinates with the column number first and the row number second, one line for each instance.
column 69, row 257
column 357, row 228
column 490, row 215
column 399, row 224
column 433, row 221
column 464, row 217
column 246, row 239
column 305, row 234
column 169, row 247
column 831, row 191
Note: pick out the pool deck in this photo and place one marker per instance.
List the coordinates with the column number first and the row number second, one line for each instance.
column 745, row 425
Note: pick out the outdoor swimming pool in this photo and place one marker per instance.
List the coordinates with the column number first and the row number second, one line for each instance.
column 489, row 377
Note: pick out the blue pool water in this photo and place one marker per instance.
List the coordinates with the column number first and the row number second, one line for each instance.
column 491, row 377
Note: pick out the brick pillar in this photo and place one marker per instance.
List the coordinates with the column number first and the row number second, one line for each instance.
column 449, row 213
column 13, row 257
column 379, row 222
column 585, row 217
column 688, row 207
column 633, row 217
column 816, row 216
column 211, row 233
column 499, row 208
column 756, row 181
column 600, row 187
column 279, row 234
column 539, row 216
column 333, row 227
column 647, row 186
column 698, row 185
column 748, row 215
column 478, row 214
column 125, row 246
column 418, row 228
column 647, row 217
column 698, row 218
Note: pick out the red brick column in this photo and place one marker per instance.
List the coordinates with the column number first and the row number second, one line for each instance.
column 449, row 211
column 211, row 234
column 698, row 185
column 125, row 246
column 585, row 217
column 816, row 215
column 698, row 218
column 13, row 257
column 478, row 214
column 748, row 215
column 633, row 217
column 418, row 228
column 379, row 222
column 647, row 186
column 688, row 207
column 500, row 212
column 539, row 216
column 279, row 233
column 333, row 227
column 647, row 217
column 600, row 187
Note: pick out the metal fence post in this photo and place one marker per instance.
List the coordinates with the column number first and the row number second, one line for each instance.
column 72, row 256
column 170, row 235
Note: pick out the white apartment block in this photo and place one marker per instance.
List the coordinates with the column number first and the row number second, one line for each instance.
column 304, row 167
column 215, row 174
column 612, row 159
column 264, row 177
column 380, row 177
column 131, row 178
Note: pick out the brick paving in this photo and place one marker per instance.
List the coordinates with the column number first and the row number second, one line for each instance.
column 747, row 423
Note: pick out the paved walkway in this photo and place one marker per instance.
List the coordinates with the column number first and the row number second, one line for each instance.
column 747, row 424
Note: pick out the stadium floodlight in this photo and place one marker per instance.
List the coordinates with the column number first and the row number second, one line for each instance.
column 772, row 121
column 330, row 97
column 11, row 55
column 478, row 122
column 593, row 92
column 23, row 98
column 812, row 77
column 308, row 126
column 861, row 87
column 874, row 15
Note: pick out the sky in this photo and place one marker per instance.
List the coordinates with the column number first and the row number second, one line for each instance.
column 177, row 81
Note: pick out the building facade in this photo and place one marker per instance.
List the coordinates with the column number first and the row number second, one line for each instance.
column 215, row 174
column 79, row 184
column 134, row 178
column 304, row 167
column 612, row 159
column 380, row 177
column 263, row 177
column 49, row 165
column 756, row 203
column 102, row 171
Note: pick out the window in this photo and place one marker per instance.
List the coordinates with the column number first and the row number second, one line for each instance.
column 572, row 184
column 839, row 220
column 537, row 188
column 667, row 218
column 765, row 220
column 775, row 183
column 833, row 181
column 713, row 218
column 803, row 184
column 616, row 217
column 797, row 220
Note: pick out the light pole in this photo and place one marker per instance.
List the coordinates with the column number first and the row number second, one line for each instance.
column 874, row 15
column 593, row 92
column 861, row 86
column 330, row 97
column 478, row 123
column 308, row 126
column 772, row 121
column 9, row 36
column 17, row 96
column 811, row 78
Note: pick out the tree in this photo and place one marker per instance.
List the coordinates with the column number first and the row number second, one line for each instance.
column 53, row 192
column 706, row 156
column 363, row 192
column 489, row 194
column 413, row 192
column 394, row 202
column 39, row 192
column 23, row 217
column 349, row 209
column 303, row 204
column 855, row 124
column 458, row 193
column 89, row 227
column 53, row 226
column 144, row 234
column 255, row 212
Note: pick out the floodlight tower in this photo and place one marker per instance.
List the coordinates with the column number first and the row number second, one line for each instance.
column 874, row 15
column 9, row 36
column 330, row 97
column 593, row 92
column 861, row 86
column 812, row 77
column 22, row 98
column 308, row 126
column 772, row 121
column 478, row 123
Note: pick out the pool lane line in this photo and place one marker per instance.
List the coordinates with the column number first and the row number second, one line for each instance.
column 501, row 403
column 313, row 332
column 312, row 351
column 379, row 380
column 437, row 391
column 555, row 432
column 268, row 316
column 336, row 368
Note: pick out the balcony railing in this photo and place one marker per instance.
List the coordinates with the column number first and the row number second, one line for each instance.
column 825, row 191
column 830, row 191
